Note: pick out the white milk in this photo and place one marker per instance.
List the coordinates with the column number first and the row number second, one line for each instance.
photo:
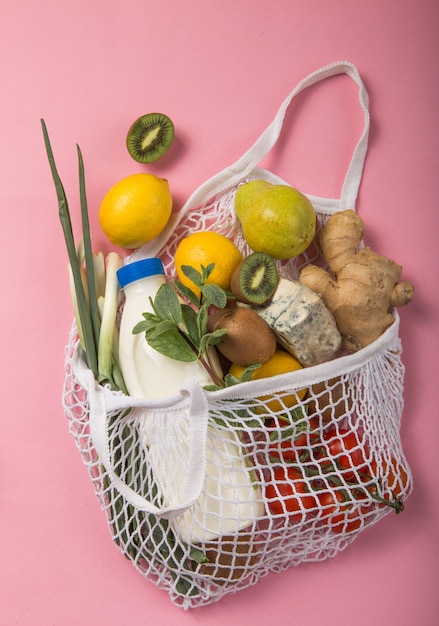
column 147, row 373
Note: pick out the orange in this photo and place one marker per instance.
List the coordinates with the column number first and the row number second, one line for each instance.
column 203, row 248
column 135, row 210
column 280, row 363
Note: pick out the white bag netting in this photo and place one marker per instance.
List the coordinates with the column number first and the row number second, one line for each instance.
column 288, row 477
column 209, row 491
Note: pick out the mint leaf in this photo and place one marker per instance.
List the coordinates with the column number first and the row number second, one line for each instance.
column 158, row 329
column 202, row 320
column 213, row 387
column 213, row 294
column 198, row 555
column 206, row 272
column 230, row 380
column 172, row 344
column 150, row 321
column 193, row 274
column 190, row 322
column 211, row 339
column 187, row 293
column 248, row 372
column 167, row 305
column 246, row 375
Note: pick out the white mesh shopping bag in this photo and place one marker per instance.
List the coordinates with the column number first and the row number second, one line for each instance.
column 208, row 491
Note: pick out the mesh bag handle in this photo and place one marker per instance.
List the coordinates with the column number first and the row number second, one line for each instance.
column 102, row 402
column 232, row 175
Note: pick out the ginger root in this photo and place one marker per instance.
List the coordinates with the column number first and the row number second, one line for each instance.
column 361, row 288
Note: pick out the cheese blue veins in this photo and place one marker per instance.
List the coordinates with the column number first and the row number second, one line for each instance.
column 302, row 323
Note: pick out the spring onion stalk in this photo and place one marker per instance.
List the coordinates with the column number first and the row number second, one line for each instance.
column 117, row 377
column 87, row 286
column 101, row 306
column 99, row 273
column 64, row 216
column 75, row 307
column 116, row 345
column 80, row 255
column 115, row 350
column 89, row 266
column 80, row 252
column 113, row 262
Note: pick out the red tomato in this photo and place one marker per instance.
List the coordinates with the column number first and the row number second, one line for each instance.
column 283, row 450
column 346, row 522
column 287, row 494
column 368, row 483
column 369, row 472
column 330, row 501
column 289, row 450
column 306, row 439
column 386, row 486
column 350, row 516
column 346, row 451
column 395, row 478
column 393, row 484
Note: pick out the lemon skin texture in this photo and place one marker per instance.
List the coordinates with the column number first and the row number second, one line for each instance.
column 135, row 210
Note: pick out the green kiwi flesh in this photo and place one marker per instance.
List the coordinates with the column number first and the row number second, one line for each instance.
column 255, row 279
column 150, row 137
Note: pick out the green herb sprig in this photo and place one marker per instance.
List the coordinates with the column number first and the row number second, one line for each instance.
column 178, row 329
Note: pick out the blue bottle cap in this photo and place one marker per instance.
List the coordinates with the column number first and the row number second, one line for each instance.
column 139, row 269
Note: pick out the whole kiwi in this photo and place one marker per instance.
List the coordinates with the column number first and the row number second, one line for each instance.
column 248, row 340
column 255, row 279
column 230, row 557
column 214, row 313
column 150, row 137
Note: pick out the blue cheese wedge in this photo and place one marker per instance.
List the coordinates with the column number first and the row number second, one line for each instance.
column 302, row 323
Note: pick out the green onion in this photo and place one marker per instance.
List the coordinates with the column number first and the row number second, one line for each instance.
column 64, row 216
column 75, row 306
column 109, row 312
column 89, row 266
column 99, row 273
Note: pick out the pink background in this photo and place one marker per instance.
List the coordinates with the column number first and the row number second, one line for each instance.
column 220, row 69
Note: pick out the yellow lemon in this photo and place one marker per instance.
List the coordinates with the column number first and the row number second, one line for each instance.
column 204, row 248
column 280, row 363
column 135, row 210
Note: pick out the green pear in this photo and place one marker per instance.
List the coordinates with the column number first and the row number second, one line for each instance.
column 275, row 219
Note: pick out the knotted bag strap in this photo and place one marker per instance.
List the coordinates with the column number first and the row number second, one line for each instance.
column 103, row 402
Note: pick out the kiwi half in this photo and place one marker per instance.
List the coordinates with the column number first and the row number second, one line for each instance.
column 150, row 137
column 255, row 279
